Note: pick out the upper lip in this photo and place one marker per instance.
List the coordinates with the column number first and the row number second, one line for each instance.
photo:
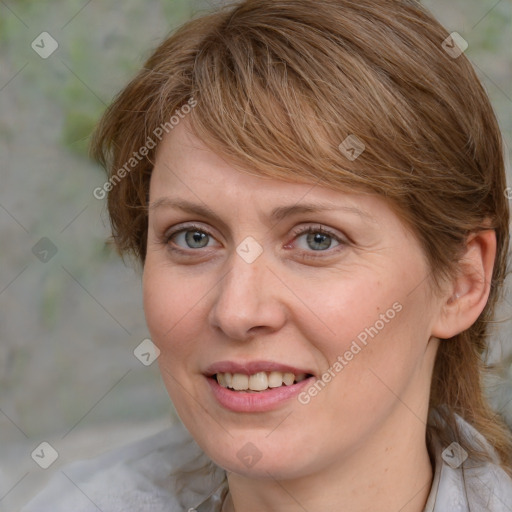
column 252, row 367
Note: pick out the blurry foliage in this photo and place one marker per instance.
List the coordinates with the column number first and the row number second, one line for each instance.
column 497, row 28
column 99, row 50
column 78, row 126
column 110, row 48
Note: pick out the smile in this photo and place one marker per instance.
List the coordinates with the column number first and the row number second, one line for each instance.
column 258, row 382
column 248, row 400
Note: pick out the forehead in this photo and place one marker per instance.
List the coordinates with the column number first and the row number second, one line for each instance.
column 183, row 159
column 185, row 166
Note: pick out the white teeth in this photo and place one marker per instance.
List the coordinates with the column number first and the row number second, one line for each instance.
column 275, row 379
column 259, row 381
column 288, row 379
column 221, row 379
column 240, row 381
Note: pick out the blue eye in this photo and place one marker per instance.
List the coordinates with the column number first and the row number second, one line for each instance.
column 318, row 240
column 194, row 237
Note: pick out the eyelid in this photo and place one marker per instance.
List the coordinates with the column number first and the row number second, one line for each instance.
column 343, row 242
column 314, row 228
column 296, row 232
column 168, row 234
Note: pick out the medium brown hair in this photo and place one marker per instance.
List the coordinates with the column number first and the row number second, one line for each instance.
column 279, row 84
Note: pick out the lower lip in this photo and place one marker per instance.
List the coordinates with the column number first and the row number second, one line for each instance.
column 240, row 401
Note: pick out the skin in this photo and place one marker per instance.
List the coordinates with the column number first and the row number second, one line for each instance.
column 361, row 440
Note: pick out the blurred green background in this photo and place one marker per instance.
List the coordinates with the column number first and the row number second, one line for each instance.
column 68, row 326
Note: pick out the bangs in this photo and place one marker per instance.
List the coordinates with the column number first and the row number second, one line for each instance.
column 278, row 99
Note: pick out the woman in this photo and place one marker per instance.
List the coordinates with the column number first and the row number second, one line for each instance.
column 316, row 193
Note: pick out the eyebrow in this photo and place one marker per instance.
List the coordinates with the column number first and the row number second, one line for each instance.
column 277, row 214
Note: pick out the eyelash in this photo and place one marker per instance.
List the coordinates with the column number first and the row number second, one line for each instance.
column 296, row 233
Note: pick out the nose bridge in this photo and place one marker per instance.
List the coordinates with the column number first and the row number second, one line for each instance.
column 245, row 299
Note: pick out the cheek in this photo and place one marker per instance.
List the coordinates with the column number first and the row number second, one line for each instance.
column 372, row 323
column 170, row 308
column 159, row 306
column 354, row 309
column 380, row 356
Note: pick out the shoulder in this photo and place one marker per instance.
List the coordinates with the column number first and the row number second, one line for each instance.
column 165, row 472
column 479, row 488
column 491, row 488
column 462, row 483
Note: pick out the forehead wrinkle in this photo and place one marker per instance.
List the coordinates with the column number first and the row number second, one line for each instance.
column 277, row 214
column 282, row 212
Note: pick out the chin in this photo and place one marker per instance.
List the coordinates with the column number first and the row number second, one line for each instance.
column 263, row 470
column 271, row 461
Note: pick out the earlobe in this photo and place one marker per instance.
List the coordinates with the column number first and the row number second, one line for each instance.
column 467, row 296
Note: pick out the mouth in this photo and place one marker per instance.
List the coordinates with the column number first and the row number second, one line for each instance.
column 257, row 392
column 257, row 385
column 258, row 382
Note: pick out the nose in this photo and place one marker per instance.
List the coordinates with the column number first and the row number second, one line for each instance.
column 248, row 300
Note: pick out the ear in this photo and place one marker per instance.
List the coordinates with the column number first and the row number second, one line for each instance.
column 467, row 294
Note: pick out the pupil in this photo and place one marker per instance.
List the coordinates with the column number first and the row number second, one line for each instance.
column 194, row 237
column 320, row 239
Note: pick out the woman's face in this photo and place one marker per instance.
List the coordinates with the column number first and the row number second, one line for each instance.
column 240, row 287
